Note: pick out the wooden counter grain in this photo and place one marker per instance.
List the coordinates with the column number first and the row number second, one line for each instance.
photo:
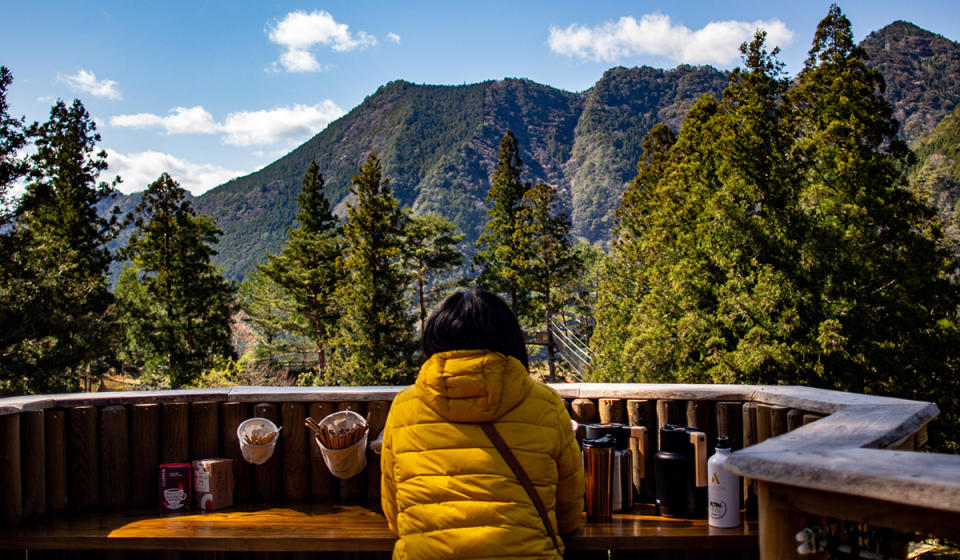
column 331, row 528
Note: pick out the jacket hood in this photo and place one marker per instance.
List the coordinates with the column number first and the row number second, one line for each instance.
column 472, row 385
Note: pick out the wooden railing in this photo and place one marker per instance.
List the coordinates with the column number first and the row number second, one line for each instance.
column 812, row 455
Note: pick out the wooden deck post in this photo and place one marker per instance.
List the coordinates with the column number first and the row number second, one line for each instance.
column 55, row 442
column 232, row 415
column 32, row 453
column 779, row 525
column 144, row 454
column 613, row 410
column 267, row 477
column 376, row 419
column 83, row 456
column 12, row 506
column 115, row 457
column 296, row 455
column 204, row 430
column 174, row 432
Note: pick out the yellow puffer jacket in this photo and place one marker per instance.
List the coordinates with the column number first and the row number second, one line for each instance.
column 446, row 490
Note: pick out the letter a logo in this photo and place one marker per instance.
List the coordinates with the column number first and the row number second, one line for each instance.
column 715, row 479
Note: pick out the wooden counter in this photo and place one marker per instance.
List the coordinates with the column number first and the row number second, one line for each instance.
column 344, row 528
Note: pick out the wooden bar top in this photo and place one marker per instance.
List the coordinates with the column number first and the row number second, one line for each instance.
column 310, row 527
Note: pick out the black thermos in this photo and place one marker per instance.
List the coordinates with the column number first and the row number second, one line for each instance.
column 680, row 476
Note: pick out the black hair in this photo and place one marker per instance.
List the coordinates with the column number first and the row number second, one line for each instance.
column 474, row 319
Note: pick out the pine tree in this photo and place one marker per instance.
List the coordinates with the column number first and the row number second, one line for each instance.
column 430, row 246
column 497, row 256
column 374, row 344
column 703, row 245
column 175, row 305
column 271, row 313
column 63, row 320
column 309, row 267
column 875, row 261
column 549, row 261
column 776, row 242
column 14, row 288
column 12, row 141
column 622, row 282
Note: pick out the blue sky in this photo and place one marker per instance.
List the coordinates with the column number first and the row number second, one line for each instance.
column 211, row 90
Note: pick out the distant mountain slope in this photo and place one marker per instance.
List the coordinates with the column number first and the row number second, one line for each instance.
column 937, row 171
column 922, row 71
column 619, row 111
column 438, row 146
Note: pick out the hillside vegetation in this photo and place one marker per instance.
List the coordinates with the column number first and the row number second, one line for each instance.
column 438, row 144
column 937, row 171
column 922, row 72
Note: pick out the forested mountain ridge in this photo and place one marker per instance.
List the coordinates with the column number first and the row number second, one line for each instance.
column 937, row 171
column 922, row 72
column 438, row 144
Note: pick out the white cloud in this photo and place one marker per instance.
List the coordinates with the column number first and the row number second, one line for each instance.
column 139, row 170
column 300, row 31
column 299, row 60
column 716, row 43
column 179, row 120
column 247, row 128
column 242, row 128
column 87, row 82
column 393, row 38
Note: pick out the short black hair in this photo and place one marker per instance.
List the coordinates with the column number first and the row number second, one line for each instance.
column 474, row 319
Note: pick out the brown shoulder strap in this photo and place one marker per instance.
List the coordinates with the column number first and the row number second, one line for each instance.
column 521, row 475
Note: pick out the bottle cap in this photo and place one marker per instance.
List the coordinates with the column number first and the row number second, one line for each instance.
column 601, row 442
column 723, row 442
column 619, row 432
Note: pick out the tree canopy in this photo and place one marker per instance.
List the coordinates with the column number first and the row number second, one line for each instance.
column 56, row 303
column 309, row 267
column 374, row 341
column 776, row 241
column 175, row 305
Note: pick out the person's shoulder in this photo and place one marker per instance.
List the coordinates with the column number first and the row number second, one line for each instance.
column 546, row 394
column 405, row 394
column 402, row 402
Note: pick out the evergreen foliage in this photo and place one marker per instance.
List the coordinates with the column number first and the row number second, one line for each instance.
column 374, row 340
column 271, row 312
column 438, row 145
column 309, row 268
column 497, row 255
column 776, row 241
column 548, row 261
column 12, row 140
column 922, row 74
column 936, row 173
column 175, row 306
column 56, row 307
column 430, row 248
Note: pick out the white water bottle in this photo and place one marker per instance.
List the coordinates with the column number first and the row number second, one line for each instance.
column 723, row 489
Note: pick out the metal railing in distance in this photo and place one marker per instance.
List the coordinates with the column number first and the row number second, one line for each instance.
column 570, row 347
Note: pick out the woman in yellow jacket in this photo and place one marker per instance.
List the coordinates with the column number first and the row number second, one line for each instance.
column 447, row 492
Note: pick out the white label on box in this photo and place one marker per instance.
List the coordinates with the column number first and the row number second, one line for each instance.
column 201, row 481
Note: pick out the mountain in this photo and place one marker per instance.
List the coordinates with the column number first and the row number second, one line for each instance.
column 922, row 71
column 937, row 171
column 439, row 144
